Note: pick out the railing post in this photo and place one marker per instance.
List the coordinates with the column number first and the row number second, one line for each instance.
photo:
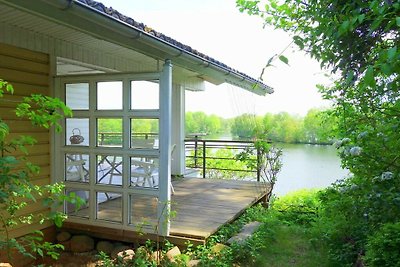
column 195, row 151
column 204, row 158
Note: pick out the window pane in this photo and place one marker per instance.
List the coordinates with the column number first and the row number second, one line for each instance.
column 72, row 209
column 77, row 168
column 77, row 132
column 109, row 132
column 144, row 133
column 109, row 169
column 144, row 172
column 145, row 95
column 109, row 95
column 77, row 95
column 109, row 206
column 143, row 210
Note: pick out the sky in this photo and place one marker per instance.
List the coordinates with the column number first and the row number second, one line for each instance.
column 217, row 29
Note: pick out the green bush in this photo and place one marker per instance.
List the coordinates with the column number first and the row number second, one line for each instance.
column 299, row 207
column 383, row 247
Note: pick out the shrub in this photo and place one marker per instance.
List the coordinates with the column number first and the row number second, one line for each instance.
column 299, row 207
column 383, row 247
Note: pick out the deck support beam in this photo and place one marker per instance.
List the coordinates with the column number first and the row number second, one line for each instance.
column 164, row 203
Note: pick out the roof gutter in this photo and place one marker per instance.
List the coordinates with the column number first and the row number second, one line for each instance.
column 106, row 27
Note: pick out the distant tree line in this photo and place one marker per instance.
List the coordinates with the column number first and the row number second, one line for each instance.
column 317, row 127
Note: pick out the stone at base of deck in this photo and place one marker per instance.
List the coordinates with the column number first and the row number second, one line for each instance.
column 202, row 207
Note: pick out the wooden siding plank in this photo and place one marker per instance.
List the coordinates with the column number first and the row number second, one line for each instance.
column 23, row 53
column 13, row 63
column 26, row 89
column 41, row 137
column 23, row 126
column 24, row 77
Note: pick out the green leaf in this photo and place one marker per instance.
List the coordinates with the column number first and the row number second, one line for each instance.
column 284, row 59
column 376, row 24
column 361, row 18
column 344, row 27
column 391, row 53
column 299, row 42
column 398, row 21
column 10, row 88
column 386, row 69
column 369, row 78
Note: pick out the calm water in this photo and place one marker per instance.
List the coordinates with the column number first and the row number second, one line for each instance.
column 308, row 166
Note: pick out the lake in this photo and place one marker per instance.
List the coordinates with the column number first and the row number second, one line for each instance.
column 308, row 166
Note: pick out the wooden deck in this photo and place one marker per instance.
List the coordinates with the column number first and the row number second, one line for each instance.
column 202, row 206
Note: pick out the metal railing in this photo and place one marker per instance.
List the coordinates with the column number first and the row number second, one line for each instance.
column 218, row 158
column 115, row 138
column 213, row 158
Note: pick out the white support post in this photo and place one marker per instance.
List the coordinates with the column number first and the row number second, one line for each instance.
column 178, row 133
column 165, row 148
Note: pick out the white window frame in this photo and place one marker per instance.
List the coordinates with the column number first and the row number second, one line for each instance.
column 163, row 114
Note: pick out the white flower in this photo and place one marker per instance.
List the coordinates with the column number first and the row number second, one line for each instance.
column 345, row 140
column 355, row 151
column 338, row 143
column 362, row 135
column 386, row 176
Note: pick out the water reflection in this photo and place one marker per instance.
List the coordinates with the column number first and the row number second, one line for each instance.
column 308, row 166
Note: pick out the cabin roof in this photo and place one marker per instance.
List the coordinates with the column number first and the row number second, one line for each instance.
column 162, row 38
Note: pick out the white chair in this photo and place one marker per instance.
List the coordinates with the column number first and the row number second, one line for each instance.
column 75, row 170
column 144, row 173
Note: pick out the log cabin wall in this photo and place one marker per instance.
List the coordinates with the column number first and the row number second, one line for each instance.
column 28, row 72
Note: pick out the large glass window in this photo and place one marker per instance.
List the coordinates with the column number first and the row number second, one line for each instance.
column 109, row 95
column 145, row 95
column 115, row 170
column 144, row 133
column 77, row 96
column 109, row 132
column 77, row 131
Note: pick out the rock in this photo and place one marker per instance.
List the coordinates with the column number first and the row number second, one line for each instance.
column 217, row 248
column 246, row 232
column 82, row 243
column 172, row 253
column 126, row 255
column 193, row 263
column 66, row 244
column 118, row 249
column 63, row 236
column 5, row 264
column 156, row 256
column 105, row 246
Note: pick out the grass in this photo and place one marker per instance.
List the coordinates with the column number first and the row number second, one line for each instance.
column 291, row 245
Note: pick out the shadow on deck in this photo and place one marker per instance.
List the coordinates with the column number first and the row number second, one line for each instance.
column 202, row 206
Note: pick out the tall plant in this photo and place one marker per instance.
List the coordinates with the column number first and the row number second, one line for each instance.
column 16, row 189
column 266, row 159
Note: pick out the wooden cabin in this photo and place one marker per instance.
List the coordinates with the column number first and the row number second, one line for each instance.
column 104, row 65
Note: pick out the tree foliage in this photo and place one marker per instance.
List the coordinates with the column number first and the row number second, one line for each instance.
column 358, row 41
column 317, row 127
column 199, row 122
column 16, row 189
